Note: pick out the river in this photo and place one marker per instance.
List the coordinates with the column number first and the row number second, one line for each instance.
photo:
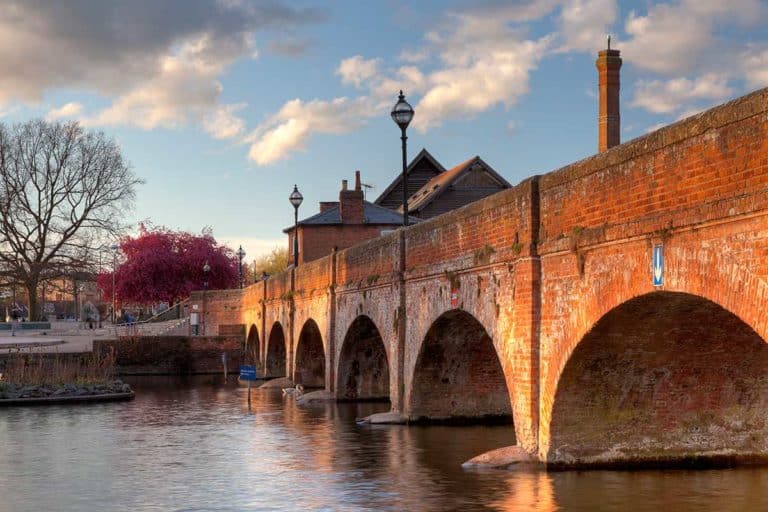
column 194, row 445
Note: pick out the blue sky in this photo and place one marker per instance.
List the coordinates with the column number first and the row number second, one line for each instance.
column 222, row 105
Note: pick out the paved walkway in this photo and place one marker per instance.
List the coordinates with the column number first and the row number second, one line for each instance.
column 63, row 337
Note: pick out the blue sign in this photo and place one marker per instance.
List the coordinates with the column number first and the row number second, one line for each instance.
column 248, row 373
column 658, row 265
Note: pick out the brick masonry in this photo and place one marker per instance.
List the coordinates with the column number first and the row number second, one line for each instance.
column 172, row 355
column 543, row 292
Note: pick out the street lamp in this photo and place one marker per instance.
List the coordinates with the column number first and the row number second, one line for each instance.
column 402, row 114
column 206, row 269
column 295, row 198
column 114, row 248
column 241, row 255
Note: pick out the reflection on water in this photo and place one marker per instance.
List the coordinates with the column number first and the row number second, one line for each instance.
column 194, row 445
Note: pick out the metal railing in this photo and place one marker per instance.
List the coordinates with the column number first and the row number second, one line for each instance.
column 145, row 327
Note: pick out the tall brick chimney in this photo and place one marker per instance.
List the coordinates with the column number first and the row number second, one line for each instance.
column 351, row 202
column 609, row 121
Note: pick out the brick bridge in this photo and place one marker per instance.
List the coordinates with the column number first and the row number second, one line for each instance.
column 538, row 303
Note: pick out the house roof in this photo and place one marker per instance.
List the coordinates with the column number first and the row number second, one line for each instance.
column 422, row 154
column 438, row 185
column 372, row 214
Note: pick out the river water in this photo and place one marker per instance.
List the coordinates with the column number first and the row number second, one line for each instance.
column 195, row 445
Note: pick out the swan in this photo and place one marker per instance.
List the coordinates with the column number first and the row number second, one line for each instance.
column 295, row 392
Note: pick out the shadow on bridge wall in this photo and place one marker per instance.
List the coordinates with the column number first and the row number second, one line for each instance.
column 276, row 352
column 363, row 366
column 458, row 374
column 252, row 346
column 666, row 377
column 310, row 357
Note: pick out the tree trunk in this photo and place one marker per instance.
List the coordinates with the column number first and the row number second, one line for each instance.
column 34, row 314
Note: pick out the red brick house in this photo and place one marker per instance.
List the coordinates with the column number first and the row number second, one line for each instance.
column 342, row 223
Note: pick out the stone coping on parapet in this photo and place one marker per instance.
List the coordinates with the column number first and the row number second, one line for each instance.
column 57, row 400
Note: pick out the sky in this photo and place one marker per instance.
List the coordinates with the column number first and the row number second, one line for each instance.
column 221, row 106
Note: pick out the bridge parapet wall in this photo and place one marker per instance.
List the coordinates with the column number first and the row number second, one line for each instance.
column 218, row 307
column 372, row 263
column 708, row 167
column 313, row 278
column 497, row 228
column 278, row 287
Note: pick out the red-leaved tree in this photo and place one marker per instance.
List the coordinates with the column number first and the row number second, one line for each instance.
column 160, row 265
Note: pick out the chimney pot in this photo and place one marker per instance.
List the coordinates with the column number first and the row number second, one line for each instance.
column 357, row 180
column 343, row 184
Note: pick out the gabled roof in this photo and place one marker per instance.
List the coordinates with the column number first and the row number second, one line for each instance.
column 440, row 183
column 372, row 214
column 422, row 155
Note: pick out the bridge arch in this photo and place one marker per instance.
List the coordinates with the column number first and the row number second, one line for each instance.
column 661, row 378
column 310, row 357
column 252, row 346
column 458, row 373
column 274, row 365
column 363, row 368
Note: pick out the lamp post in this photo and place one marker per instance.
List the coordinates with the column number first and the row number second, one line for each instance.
column 402, row 114
column 206, row 269
column 114, row 248
column 241, row 255
column 295, row 198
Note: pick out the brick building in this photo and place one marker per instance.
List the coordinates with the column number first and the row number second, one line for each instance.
column 342, row 224
column 433, row 190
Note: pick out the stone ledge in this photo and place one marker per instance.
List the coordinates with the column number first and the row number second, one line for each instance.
column 504, row 458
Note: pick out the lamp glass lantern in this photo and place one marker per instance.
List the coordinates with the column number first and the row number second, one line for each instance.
column 402, row 112
column 296, row 198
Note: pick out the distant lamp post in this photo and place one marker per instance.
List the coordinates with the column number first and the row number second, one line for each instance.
column 114, row 248
column 206, row 269
column 402, row 114
column 295, row 198
column 241, row 255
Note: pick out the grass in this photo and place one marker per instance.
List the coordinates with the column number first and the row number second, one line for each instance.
column 39, row 369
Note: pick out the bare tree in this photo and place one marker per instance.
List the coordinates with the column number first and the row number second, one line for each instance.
column 63, row 192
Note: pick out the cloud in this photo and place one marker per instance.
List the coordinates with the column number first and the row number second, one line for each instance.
column 682, row 37
column 485, row 61
column 222, row 123
column 158, row 62
column 755, row 66
column 68, row 110
column 289, row 129
column 357, row 70
column 289, row 47
column 663, row 97
column 583, row 24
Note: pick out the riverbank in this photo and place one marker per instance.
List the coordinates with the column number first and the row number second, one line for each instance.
column 30, row 394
